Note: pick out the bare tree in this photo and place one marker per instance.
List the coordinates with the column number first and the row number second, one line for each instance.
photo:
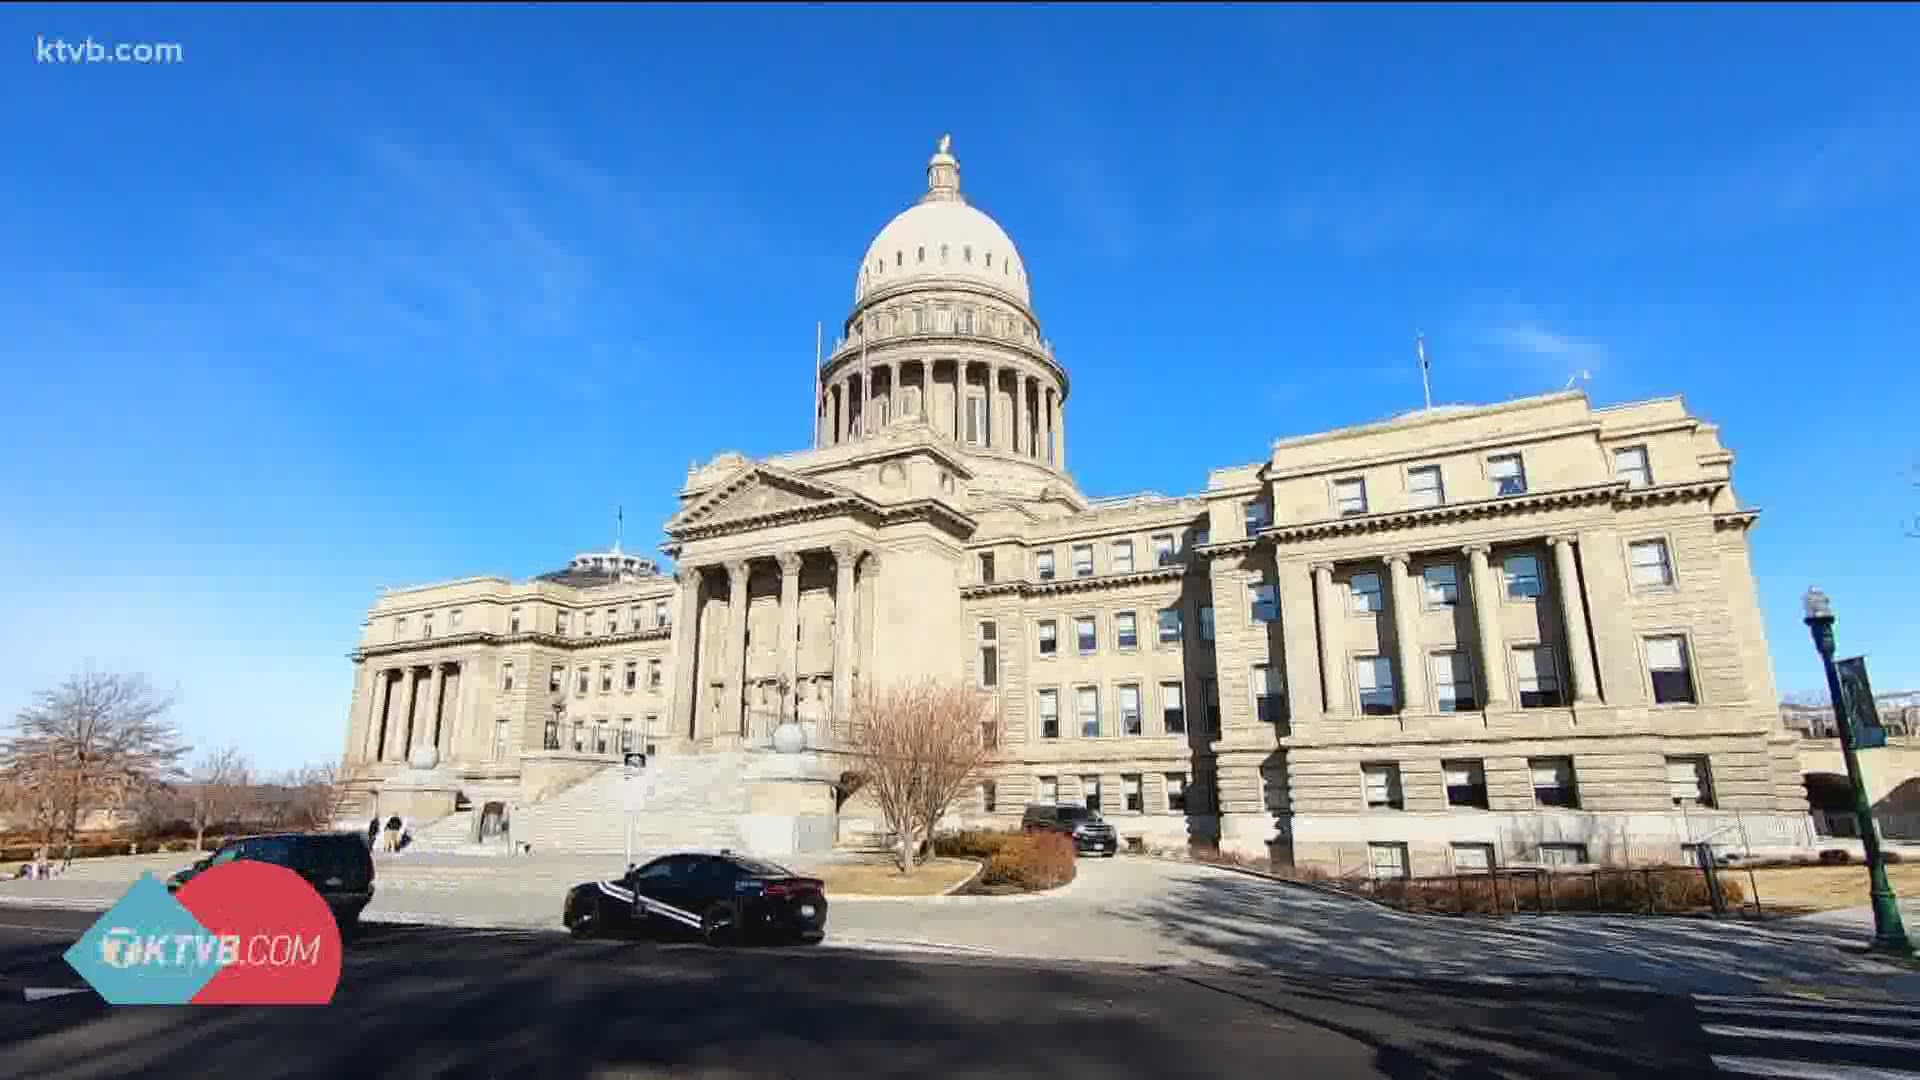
column 918, row 747
column 95, row 742
column 316, row 795
column 222, row 787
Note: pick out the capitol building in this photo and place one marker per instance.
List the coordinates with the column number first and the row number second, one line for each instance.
column 1518, row 633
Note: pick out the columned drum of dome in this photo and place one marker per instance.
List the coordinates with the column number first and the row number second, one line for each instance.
column 943, row 333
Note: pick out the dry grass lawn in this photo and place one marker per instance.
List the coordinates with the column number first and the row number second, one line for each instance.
column 1825, row 888
column 878, row 876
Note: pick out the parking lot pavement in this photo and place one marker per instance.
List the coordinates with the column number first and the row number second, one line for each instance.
column 433, row 1001
column 1148, row 911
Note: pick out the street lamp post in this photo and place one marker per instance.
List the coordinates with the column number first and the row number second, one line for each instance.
column 1889, row 933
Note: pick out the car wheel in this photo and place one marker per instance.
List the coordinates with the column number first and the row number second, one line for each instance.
column 717, row 926
column 349, row 922
column 587, row 923
column 810, row 939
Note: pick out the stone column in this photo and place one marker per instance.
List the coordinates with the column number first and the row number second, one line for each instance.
column 843, row 555
column 866, row 617
column 682, row 708
column 1486, row 617
column 959, row 398
column 378, row 691
column 893, row 392
column 1022, row 439
column 733, row 698
column 1573, row 612
column 1333, row 670
column 1060, row 436
column 790, row 564
column 1406, row 603
column 990, row 438
column 405, row 736
column 1050, row 409
column 428, row 729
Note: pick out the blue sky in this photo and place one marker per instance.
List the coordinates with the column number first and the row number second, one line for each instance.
column 365, row 296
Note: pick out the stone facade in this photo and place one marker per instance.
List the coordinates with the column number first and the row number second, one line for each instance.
column 1519, row 632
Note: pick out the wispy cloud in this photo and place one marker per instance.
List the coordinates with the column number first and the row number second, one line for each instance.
column 1534, row 339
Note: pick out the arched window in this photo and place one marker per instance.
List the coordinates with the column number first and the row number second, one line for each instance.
column 922, row 255
column 899, row 258
column 966, row 320
column 989, row 260
column 920, row 319
column 943, row 254
column 966, row 253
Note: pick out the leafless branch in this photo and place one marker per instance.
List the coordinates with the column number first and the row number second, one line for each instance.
column 918, row 747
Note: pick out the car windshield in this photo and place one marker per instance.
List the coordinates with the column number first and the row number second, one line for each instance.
column 760, row 868
column 1077, row 814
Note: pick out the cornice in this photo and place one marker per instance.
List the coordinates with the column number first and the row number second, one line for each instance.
column 1281, row 469
column 1393, row 520
column 1737, row 519
column 572, row 644
column 1060, row 586
column 1224, row 548
column 1659, row 494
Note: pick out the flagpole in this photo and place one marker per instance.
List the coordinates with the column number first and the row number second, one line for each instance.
column 817, row 403
column 1426, row 384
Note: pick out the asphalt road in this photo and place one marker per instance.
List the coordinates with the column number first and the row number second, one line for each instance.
column 449, row 1002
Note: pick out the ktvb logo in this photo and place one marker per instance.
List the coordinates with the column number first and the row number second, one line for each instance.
column 124, row 948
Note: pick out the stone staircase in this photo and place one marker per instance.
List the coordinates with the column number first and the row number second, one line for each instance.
column 451, row 833
column 690, row 801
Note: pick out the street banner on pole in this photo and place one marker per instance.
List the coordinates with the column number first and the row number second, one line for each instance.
column 1857, row 704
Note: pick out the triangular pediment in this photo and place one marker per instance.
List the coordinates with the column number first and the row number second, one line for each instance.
column 757, row 492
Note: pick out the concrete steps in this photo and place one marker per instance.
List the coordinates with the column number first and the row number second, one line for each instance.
column 451, row 833
column 686, row 801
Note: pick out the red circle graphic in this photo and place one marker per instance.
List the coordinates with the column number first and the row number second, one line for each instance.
column 284, row 944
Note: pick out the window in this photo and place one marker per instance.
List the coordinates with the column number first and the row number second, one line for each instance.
column 989, row 734
column 1049, row 714
column 1472, row 858
column 632, row 682
column 513, row 621
column 989, row 655
column 1176, row 793
column 1389, row 860
column 1130, row 792
column 986, row 568
column 1350, row 496
column 1170, row 629
column 1163, row 549
column 1259, row 515
column 633, row 618
column 1382, row 782
column 1538, row 675
column 502, row 739
column 626, row 735
column 579, row 736
column 1087, row 705
column 1043, row 564
column 1130, row 710
column 583, row 681
column 966, row 319
column 653, row 674
column 1553, row 782
column 1120, row 556
column 606, row 678
column 586, row 624
column 426, row 625
column 1667, row 664
column 1630, row 464
column 560, row 623
column 1563, row 854
column 1466, row 783
column 1523, row 576
column 1083, row 560
column 454, row 617
column 1651, row 566
column 1689, row 781
column 399, row 626
column 1090, row 791
column 600, row 744
column 1269, row 696
column 1508, row 473
column 1424, row 488
column 1364, row 589
column 613, row 620
column 1210, row 695
column 555, row 676
column 1083, row 632
column 1373, row 675
column 989, row 796
column 550, row 735
column 1048, row 637
column 1049, row 789
column 974, row 406
column 1452, row 682
column 1202, row 536
column 1263, row 601
column 1173, row 708
column 660, row 613
column 1206, row 623
column 1440, row 585
column 506, row 675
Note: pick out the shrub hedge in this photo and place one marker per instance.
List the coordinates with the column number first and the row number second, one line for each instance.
column 1027, row 861
column 1673, row 890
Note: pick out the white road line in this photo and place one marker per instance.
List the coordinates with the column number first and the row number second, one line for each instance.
column 1805, row 1070
column 40, row 929
column 41, row 993
column 1904, row 1023
column 1809, row 1004
column 1734, row 1031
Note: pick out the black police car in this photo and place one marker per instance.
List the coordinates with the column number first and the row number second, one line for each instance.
column 720, row 896
column 337, row 865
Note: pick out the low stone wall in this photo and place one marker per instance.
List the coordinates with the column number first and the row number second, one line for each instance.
column 544, row 773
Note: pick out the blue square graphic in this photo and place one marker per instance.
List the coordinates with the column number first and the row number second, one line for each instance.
column 148, row 949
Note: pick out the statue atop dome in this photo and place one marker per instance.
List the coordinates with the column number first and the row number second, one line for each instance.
column 946, row 144
column 943, row 174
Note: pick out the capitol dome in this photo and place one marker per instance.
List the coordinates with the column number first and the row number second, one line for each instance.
column 941, row 239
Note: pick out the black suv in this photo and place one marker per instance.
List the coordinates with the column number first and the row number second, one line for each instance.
column 1090, row 834
column 337, row 865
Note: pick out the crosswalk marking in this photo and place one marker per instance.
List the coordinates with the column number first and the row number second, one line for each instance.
column 1789, row 1038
